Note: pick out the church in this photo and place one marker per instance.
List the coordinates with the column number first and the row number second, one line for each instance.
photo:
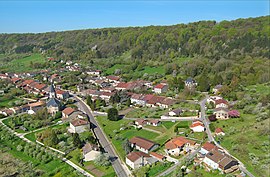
column 53, row 104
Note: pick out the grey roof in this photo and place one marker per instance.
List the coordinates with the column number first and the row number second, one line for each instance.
column 51, row 88
column 53, row 102
column 190, row 80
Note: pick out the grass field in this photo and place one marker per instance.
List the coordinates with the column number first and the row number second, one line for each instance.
column 107, row 171
column 152, row 70
column 245, row 137
column 112, row 69
column 6, row 102
column 23, row 64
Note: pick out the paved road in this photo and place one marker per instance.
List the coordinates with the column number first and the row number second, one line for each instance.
column 174, row 167
column 211, row 138
column 119, row 167
column 167, row 119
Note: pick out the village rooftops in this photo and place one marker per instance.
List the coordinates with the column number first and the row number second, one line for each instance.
column 68, row 111
column 60, row 92
column 36, row 104
column 209, row 146
column 219, row 130
column 156, row 155
column 196, row 123
column 178, row 142
column 133, row 156
column 219, row 101
column 142, row 142
column 89, row 147
column 79, row 122
column 221, row 109
column 160, row 86
column 114, row 78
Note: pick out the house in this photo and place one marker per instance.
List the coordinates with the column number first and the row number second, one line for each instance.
column 122, row 86
column 197, row 126
column 157, row 156
column 219, row 132
column 234, row 114
column 67, row 112
column 137, row 99
column 154, row 122
column 217, row 160
column 94, row 72
column 161, row 88
column 143, row 144
column 213, row 99
column 34, row 107
column 221, row 113
column 75, row 115
column 115, row 79
column 175, row 112
column 140, row 122
column 90, row 152
column 137, row 159
column 179, row 144
column 15, row 80
column 190, row 83
column 153, row 102
column 62, row 95
column 221, row 103
column 217, row 89
column 207, row 147
column 106, row 95
column 79, row 126
column 3, row 76
column 166, row 103
column 108, row 89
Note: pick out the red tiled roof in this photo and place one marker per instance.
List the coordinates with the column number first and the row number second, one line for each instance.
column 122, row 85
column 40, row 86
column 158, row 156
column 60, row 92
column 68, row 111
column 209, row 146
column 36, row 104
column 167, row 101
column 156, row 99
column 218, row 130
column 15, row 79
column 178, row 142
column 115, row 78
column 79, row 122
column 133, row 156
column 148, row 97
column 196, row 124
column 142, row 142
column 159, row 86
column 221, row 101
column 27, row 82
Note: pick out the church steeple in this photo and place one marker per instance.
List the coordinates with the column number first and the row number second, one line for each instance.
column 52, row 91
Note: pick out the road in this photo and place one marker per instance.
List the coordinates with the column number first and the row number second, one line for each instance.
column 211, row 138
column 119, row 167
column 173, row 168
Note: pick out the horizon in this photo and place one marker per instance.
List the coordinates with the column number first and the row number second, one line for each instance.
column 47, row 16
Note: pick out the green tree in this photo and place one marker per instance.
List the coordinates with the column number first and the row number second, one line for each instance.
column 76, row 140
column 113, row 114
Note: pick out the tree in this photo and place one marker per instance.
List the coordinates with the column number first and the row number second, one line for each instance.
column 76, row 140
column 54, row 138
column 126, row 146
column 58, row 115
column 89, row 101
column 128, row 103
column 102, row 160
column 113, row 114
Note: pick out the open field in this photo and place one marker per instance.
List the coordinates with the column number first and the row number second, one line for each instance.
column 23, row 64
column 246, row 140
column 7, row 102
column 97, row 170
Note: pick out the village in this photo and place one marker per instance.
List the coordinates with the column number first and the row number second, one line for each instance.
column 151, row 129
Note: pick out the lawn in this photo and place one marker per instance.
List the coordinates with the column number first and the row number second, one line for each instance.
column 23, row 64
column 146, row 112
column 7, row 102
column 262, row 89
column 113, row 68
column 107, row 171
column 152, row 70
column 158, row 168
column 168, row 124
column 246, row 138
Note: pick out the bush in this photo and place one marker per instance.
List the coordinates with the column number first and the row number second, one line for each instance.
column 113, row 114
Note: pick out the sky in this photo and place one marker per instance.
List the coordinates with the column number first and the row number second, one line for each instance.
column 45, row 16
